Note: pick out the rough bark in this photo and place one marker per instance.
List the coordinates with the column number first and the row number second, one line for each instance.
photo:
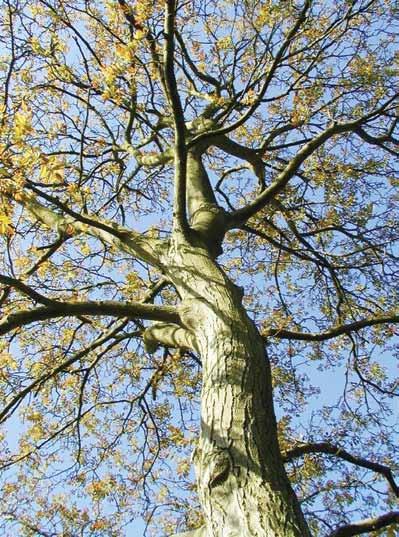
column 207, row 219
column 242, row 484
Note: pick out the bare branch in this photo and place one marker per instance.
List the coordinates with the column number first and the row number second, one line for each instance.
column 331, row 449
column 366, row 525
column 336, row 331
column 129, row 241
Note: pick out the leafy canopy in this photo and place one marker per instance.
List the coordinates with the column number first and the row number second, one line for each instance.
column 293, row 107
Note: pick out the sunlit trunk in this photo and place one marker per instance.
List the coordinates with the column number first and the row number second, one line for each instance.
column 242, row 484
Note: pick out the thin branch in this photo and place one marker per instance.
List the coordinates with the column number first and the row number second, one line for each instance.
column 51, row 249
column 18, row 398
column 331, row 449
column 366, row 525
column 25, row 289
column 379, row 141
column 268, row 78
column 282, row 333
column 201, row 75
column 111, row 333
column 37, row 531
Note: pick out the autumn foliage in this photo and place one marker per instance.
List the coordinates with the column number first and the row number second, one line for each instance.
column 289, row 114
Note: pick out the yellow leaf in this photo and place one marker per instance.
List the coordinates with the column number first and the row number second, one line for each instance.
column 7, row 360
column 5, row 224
column 23, row 123
column 51, row 170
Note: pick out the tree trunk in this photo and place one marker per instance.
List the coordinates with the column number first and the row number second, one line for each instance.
column 242, row 485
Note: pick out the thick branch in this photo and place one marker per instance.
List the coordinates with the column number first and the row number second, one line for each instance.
column 73, row 223
column 241, row 215
column 331, row 449
column 168, row 335
column 179, row 216
column 199, row 189
column 132, row 310
column 282, row 333
column 244, row 153
column 207, row 218
column 367, row 525
column 153, row 160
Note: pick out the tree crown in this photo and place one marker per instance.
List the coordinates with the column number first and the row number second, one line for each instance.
column 264, row 133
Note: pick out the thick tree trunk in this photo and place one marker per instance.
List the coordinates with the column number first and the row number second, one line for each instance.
column 242, row 484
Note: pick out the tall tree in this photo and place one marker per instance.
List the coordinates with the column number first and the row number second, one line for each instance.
column 199, row 212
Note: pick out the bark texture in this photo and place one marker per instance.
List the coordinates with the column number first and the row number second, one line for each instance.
column 242, row 484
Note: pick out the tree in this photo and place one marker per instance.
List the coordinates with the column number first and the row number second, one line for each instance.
column 199, row 209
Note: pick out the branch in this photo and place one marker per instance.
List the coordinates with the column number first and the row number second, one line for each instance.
column 379, row 141
column 200, row 532
column 25, row 289
column 151, row 161
column 36, row 530
column 111, row 333
column 199, row 188
column 168, row 335
column 201, row 75
column 366, row 525
column 18, row 398
column 128, row 13
column 74, row 223
column 298, row 253
column 132, row 310
column 244, row 153
column 268, row 78
column 241, row 215
column 282, row 333
column 331, row 449
column 179, row 212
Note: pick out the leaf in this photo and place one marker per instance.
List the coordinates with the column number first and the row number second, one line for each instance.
column 22, row 123
column 5, row 222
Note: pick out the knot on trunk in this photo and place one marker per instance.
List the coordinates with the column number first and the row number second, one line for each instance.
column 220, row 466
column 168, row 335
column 209, row 223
